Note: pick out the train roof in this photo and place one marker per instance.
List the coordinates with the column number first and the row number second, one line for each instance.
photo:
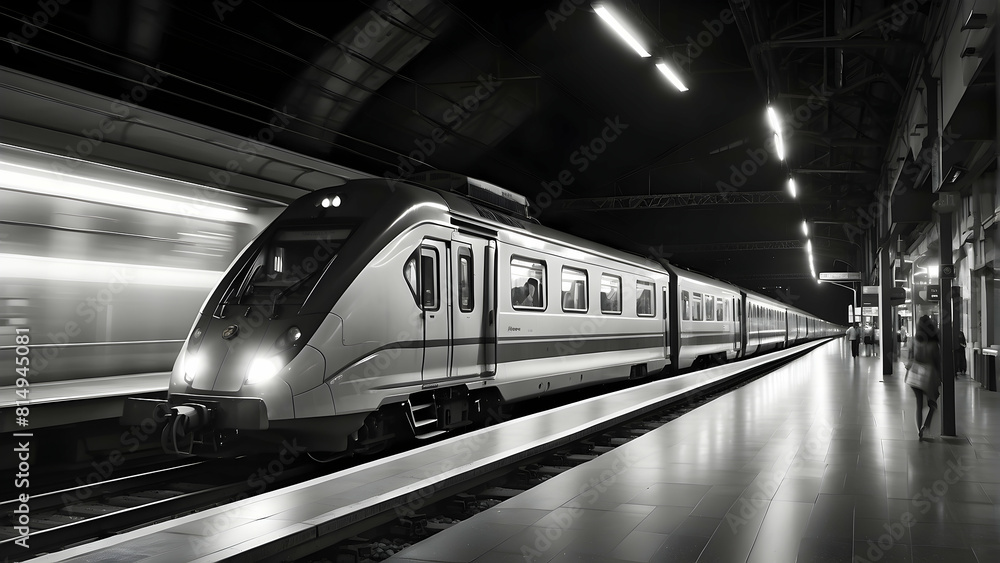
column 495, row 218
column 703, row 278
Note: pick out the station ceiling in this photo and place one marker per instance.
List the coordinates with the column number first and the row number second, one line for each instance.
column 541, row 98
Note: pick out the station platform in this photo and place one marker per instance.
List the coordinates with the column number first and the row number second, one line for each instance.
column 293, row 520
column 816, row 462
column 60, row 403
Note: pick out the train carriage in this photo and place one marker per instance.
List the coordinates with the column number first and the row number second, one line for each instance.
column 386, row 309
column 766, row 328
column 709, row 316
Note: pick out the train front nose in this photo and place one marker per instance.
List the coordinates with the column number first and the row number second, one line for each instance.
column 231, row 350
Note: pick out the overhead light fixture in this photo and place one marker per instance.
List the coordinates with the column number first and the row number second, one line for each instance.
column 975, row 21
column 671, row 76
column 792, row 189
column 779, row 141
column 954, row 173
column 809, row 249
column 620, row 29
column 805, row 228
column 772, row 118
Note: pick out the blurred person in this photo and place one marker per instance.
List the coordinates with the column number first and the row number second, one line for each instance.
column 961, row 367
column 869, row 335
column 854, row 335
column 923, row 371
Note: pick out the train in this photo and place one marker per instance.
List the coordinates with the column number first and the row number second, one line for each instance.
column 382, row 310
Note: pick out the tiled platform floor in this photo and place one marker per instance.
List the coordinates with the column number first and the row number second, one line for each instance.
column 816, row 462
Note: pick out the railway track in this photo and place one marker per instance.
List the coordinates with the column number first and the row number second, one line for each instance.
column 383, row 539
column 64, row 517
column 70, row 516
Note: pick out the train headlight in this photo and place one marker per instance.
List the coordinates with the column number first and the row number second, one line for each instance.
column 288, row 338
column 262, row 369
column 191, row 366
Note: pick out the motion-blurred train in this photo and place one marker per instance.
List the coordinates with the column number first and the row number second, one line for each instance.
column 389, row 309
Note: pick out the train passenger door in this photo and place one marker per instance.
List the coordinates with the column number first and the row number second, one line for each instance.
column 737, row 333
column 666, row 322
column 436, row 302
column 473, row 315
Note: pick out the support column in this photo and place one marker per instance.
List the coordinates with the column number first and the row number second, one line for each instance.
column 887, row 339
column 947, row 331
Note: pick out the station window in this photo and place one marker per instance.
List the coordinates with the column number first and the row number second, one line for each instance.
column 611, row 297
column 466, row 300
column 527, row 282
column 709, row 307
column 574, row 290
column 696, row 307
column 645, row 305
column 685, row 306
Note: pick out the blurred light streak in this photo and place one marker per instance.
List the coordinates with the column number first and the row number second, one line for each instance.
column 66, row 269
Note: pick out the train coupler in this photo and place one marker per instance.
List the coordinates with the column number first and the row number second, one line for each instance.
column 185, row 425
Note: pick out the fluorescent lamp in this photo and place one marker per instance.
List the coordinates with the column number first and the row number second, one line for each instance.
column 794, row 191
column 779, row 145
column 620, row 30
column 805, row 228
column 772, row 118
column 809, row 249
column 673, row 78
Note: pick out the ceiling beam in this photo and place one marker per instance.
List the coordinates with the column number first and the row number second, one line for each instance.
column 740, row 246
column 833, row 171
column 664, row 201
column 826, row 42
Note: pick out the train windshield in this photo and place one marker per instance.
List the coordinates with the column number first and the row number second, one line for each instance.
column 289, row 264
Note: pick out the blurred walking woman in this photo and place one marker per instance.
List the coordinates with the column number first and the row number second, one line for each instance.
column 923, row 371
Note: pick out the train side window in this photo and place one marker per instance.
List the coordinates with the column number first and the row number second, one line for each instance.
column 720, row 309
column 574, row 290
column 645, row 299
column 611, row 295
column 466, row 301
column 696, row 307
column 410, row 275
column 527, row 282
column 685, row 306
column 429, row 288
column 709, row 307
